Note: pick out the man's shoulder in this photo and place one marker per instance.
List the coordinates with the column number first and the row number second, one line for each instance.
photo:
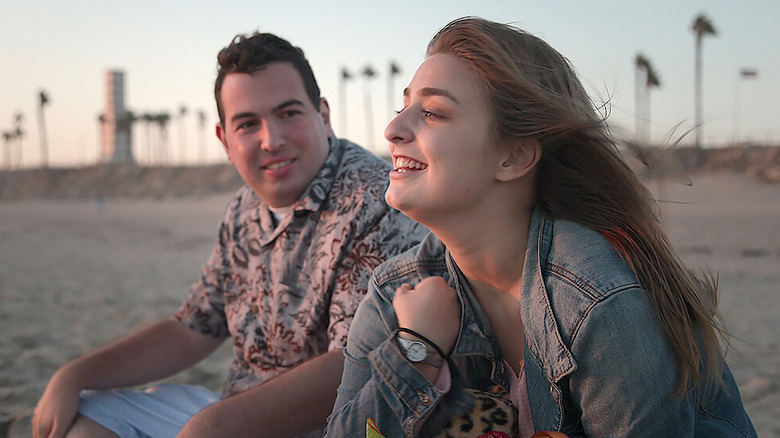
column 357, row 160
column 360, row 182
column 244, row 201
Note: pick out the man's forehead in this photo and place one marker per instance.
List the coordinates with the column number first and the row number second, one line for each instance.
column 263, row 92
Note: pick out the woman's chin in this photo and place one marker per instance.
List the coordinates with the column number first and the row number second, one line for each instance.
column 394, row 200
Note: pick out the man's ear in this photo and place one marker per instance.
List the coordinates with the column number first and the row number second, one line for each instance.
column 325, row 114
column 220, row 131
column 521, row 158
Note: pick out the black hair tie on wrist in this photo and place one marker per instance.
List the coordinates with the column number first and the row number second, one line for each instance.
column 424, row 339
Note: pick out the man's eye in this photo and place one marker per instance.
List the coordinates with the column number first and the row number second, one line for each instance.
column 290, row 113
column 245, row 125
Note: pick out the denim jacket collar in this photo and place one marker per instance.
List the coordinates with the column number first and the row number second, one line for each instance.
column 542, row 334
column 476, row 336
column 542, row 337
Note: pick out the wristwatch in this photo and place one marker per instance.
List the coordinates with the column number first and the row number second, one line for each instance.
column 417, row 352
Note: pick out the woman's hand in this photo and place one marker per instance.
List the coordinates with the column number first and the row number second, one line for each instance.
column 432, row 309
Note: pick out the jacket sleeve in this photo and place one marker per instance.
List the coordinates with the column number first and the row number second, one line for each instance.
column 379, row 385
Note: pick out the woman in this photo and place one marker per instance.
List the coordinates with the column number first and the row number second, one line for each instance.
column 546, row 274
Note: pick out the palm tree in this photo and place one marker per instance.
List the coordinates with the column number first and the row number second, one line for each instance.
column 345, row 77
column 129, row 120
column 8, row 138
column 182, row 133
column 646, row 78
column 147, row 119
column 395, row 70
column 162, row 120
column 369, row 73
column 701, row 27
column 43, row 100
column 18, row 134
column 202, row 135
column 101, row 119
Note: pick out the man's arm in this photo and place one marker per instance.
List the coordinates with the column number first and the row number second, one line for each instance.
column 293, row 403
column 158, row 351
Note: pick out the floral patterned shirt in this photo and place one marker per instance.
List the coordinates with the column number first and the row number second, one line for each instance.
column 286, row 292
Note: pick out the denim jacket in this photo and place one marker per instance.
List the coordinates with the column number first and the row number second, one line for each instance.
column 597, row 362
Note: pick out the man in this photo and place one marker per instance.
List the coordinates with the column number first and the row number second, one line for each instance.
column 296, row 248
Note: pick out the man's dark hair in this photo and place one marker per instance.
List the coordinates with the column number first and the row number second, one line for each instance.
column 253, row 53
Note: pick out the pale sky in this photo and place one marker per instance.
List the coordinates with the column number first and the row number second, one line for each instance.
column 167, row 50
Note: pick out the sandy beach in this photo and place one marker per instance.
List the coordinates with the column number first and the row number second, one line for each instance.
column 75, row 274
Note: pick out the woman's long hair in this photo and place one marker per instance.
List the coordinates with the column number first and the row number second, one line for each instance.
column 582, row 177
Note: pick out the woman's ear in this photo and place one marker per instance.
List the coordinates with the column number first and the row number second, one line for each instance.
column 521, row 158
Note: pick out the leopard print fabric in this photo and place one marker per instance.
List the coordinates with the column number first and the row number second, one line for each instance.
column 492, row 412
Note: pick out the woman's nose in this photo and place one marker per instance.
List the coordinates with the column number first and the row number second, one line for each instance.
column 398, row 131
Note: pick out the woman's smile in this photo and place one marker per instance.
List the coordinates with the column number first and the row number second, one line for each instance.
column 406, row 164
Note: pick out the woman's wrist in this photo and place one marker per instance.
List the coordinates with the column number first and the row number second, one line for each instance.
column 411, row 335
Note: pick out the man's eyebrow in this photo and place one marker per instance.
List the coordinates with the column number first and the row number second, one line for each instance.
column 239, row 116
column 285, row 104
column 432, row 91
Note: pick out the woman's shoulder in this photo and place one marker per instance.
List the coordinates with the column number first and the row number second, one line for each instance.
column 376, row 309
column 585, row 259
column 422, row 260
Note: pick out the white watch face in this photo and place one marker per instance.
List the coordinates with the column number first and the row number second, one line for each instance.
column 415, row 351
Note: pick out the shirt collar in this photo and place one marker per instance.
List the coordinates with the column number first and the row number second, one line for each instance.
column 311, row 199
column 317, row 191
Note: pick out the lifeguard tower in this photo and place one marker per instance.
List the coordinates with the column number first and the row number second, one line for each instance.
column 116, row 122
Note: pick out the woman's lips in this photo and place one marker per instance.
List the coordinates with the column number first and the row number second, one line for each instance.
column 406, row 164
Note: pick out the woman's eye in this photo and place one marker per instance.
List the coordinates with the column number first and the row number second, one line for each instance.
column 425, row 113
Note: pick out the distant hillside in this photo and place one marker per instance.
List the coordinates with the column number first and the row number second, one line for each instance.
column 133, row 181
column 119, row 181
column 759, row 162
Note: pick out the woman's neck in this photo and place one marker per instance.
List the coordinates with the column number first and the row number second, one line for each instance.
column 490, row 250
column 492, row 259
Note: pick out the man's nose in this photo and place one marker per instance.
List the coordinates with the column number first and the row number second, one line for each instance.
column 271, row 136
